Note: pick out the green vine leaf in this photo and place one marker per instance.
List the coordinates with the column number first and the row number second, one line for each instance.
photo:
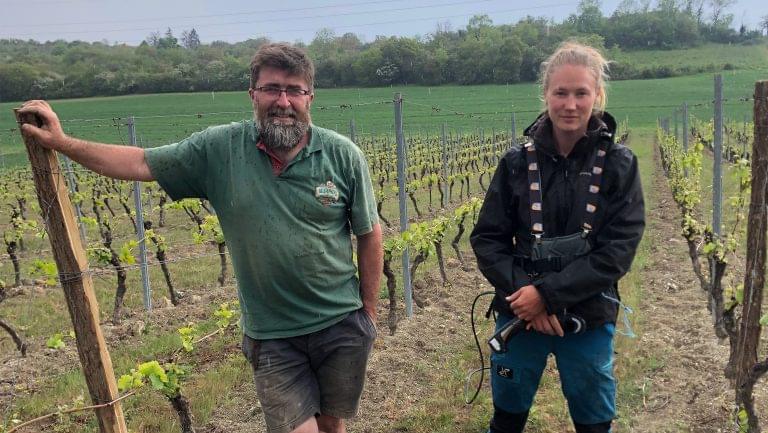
column 55, row 341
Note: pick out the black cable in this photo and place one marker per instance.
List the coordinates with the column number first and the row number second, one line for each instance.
column 479, row 350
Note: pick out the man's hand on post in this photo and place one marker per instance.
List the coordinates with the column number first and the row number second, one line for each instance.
column 50, row 134
column 118, row 162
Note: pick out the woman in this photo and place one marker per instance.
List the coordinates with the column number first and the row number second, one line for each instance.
column 559, row 227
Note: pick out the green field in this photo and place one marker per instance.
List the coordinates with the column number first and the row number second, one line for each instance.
column 713, row 56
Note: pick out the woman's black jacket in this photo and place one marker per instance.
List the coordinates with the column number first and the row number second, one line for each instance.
column 503, row 228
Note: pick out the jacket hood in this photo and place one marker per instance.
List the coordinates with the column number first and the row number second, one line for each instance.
column 540, row 131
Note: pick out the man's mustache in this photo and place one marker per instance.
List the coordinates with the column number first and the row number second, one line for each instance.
column 282, row 112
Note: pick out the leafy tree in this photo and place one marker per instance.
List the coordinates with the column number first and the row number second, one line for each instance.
column 625, row 7
column 367, row 65
column 16, row 81
column 660, row 28
column 590, row 19
column 478, row 25
column 472, row 61
column 323, row 43
column 695, row 8
column 434, row 69
column 346, row 49
column 325, row 50
column 508, row 62
column 718, row 11
column 404, row 57
column 350, row 43
column 169, row 41
column 190, row 40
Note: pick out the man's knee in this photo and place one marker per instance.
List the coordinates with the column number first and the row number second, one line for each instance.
column 330, row 424
column 308, row 426
column 506, row 422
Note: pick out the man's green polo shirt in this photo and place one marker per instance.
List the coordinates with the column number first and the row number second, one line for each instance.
column 288, row 235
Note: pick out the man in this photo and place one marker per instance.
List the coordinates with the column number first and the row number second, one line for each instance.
column 287, row 194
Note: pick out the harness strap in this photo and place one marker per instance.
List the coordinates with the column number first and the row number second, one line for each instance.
column 594, row 186
column 535, row 186
column 534, row 191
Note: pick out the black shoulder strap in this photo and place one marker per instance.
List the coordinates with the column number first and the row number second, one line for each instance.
column 594, row 187
column 534, row 190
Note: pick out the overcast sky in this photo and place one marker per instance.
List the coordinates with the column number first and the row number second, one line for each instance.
column 294, row 20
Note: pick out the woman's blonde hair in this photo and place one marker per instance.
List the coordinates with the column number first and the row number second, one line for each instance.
column 575, row 53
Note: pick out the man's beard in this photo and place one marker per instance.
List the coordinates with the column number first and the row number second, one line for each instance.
column 280, row 136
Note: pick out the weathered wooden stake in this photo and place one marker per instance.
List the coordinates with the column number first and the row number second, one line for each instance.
column 72, row 263
column 754, row 275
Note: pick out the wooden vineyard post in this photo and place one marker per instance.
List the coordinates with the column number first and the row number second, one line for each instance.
column 72, row 263
column 754, row 276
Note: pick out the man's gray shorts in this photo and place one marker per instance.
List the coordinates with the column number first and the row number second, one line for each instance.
column 318, row 373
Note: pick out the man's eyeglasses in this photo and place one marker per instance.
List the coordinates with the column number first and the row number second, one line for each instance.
column 275, row 91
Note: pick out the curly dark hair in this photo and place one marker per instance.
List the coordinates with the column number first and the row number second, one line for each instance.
column 285, row 57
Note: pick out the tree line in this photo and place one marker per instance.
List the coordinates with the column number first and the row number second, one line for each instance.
column 480, row 53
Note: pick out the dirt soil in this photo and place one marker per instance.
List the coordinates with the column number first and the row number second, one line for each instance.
column 688, row 392
column 685, row 391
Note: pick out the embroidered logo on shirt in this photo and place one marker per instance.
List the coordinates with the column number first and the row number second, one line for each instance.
column 327, row 193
